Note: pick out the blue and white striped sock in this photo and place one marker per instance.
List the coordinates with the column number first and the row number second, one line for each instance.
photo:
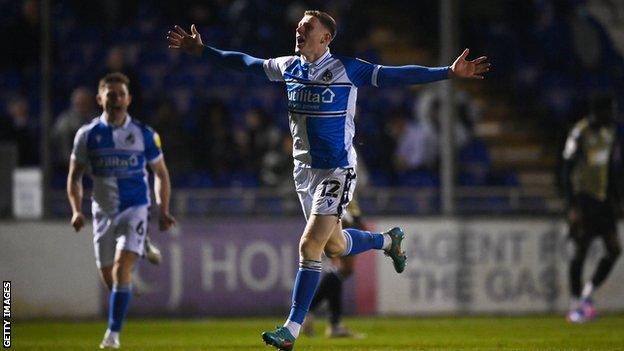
column 118, row 306
column 306, row 283
column 359, row 241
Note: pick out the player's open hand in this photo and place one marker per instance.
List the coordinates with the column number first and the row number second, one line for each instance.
column 178, row 38
column 78, row 221
column 166, row 221
column 474, row 69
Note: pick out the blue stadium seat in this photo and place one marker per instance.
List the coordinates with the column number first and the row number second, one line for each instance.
column 474, row 163
column 243, row 180
column 192, row 180
column 475, row 152
column 503, row 178
column 379, row 178
column 470, row 179
column 419, row 179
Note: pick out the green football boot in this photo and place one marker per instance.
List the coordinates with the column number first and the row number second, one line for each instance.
column 399, row 260
column 280, row 338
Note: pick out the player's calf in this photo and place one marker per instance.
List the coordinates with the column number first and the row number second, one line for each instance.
column 334, row 249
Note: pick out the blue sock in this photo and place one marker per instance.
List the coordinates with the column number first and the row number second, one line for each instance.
column 118, row 306
column 359, row 241
column 306, row 283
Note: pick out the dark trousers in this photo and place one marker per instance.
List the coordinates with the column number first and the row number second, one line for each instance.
column 597, row 220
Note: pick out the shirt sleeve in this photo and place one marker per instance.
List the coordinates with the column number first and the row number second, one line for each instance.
column 153, row 146
column 411, row 74
column 275, row 67
column 79, row 150
column 361, row 72
column 234, row 60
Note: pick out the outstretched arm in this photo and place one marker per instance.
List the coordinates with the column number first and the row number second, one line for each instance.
column 192, row 44
column 413, row 74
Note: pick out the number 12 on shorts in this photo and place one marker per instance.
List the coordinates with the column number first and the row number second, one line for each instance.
column 330, row 188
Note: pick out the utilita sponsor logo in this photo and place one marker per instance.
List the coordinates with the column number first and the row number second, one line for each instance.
column 6, row 314
column 117, row 162
column 326, row 96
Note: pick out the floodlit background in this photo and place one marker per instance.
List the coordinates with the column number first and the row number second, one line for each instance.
column 469, row 169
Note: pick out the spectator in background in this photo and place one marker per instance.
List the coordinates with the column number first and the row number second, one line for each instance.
column 166, row 121
column 427, row 110
column 277, row 166
column 24, row 132
column 116, row 62
column 416, row 144
column 69, row 121
column 258, row 137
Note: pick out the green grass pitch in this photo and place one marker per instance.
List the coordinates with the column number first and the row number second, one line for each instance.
column 417, row 333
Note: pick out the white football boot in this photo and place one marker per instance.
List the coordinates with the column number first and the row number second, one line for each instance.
column 152, row 252
column 110, row 341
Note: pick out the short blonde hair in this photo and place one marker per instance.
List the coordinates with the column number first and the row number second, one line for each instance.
column 326, row 20
column 115, row 77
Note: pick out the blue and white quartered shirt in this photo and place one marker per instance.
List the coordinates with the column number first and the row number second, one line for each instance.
column 322, row 95
column 321, row 105
column 116, row 159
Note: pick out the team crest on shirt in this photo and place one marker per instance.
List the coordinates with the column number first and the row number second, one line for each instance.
column 327, row 76
column 98, row 138
column 130, row 139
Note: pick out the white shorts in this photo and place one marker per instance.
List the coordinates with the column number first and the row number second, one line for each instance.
column 123, row 231
column 324, row 191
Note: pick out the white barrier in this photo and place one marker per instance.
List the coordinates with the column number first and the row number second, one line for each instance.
column 455, row 266
column 486, row 266
column 51, row 269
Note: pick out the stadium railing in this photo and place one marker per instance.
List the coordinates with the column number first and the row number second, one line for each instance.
column 373, row 201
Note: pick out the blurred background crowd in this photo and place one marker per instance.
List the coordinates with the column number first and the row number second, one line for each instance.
column 224, row 129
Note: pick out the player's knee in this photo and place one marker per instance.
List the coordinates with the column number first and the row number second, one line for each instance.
column 310, row 249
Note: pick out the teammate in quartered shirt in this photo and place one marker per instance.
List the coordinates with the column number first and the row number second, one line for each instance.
column 115, row 150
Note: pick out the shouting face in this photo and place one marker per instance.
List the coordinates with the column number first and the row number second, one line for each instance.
column 311, row 37
column 114, row 98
